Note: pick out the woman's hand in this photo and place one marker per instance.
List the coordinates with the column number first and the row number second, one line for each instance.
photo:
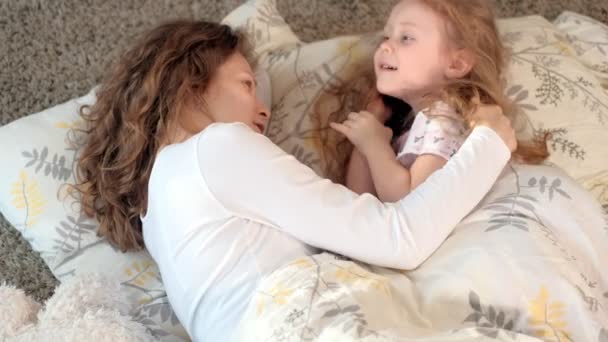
column 492, row 116
column 364, row 130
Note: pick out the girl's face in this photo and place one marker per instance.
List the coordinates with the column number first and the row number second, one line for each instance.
column 230, row 97
column 412, row 60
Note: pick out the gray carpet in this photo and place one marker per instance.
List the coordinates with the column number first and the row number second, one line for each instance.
column 51, row 51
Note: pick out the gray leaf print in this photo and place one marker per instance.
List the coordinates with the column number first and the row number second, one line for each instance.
column 491, row 313
column 165, row 311
column 559, row 142
column 500, row 319
column 512, row 37
column 491, row 333
column 72, row 231
column 56, row 168
column 474, row 317
column 294, row 315
column 512, row 210
column 437, row 139
column 514, row 90
column 554, row 83
column 551, row 189
column 592, row 302
column 603, row 336
column 549, row 91
column 152, row 327
column 417, row 139
column 522, row 96
column 474, row 301
column 528, row 106
column 518, row 94
column 490, row 320
column 331, row 313
column 360, row 330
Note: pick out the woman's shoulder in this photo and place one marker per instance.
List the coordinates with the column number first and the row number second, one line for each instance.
column 216, row 139
column 234, row 131
column 222, row 140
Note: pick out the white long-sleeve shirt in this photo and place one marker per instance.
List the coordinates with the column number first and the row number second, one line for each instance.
column 227, row 207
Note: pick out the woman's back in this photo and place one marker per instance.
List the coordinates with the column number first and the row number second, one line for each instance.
column 211, row 258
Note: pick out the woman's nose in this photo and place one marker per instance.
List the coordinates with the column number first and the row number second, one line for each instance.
column 263, row 110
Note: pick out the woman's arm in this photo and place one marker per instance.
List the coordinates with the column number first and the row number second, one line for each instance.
column 254, row 179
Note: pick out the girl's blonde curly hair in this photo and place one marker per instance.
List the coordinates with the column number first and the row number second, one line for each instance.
column 471, row 25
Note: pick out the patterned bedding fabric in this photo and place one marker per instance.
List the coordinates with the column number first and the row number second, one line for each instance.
column 524, row 266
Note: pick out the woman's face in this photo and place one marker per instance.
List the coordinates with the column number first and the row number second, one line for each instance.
column 230, row 97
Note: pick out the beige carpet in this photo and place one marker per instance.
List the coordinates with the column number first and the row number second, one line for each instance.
column 51, row 51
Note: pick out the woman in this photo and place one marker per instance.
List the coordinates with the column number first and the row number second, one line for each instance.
column 175, row 159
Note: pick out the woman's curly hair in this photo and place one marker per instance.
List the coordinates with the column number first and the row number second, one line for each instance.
column 137, row 108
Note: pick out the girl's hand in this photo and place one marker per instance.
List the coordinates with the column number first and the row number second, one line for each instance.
column 365, row 131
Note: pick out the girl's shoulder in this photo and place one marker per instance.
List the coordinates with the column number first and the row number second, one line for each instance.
column 440, row 110
column 442, row 119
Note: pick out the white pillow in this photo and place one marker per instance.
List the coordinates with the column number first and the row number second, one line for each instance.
column 589, row 38
column 561, row 95
column 38, row 161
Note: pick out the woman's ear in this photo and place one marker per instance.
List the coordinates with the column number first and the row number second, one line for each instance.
column 461, row 64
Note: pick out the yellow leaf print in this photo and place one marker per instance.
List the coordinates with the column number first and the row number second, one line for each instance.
column 380, row 285
column 347, row 46
column 563, row 48
column 27, row 196
column 547, row 318
column 140, row 273
column 144, row 301
column 68, row 125
column 280, row 294
column 347, row 275
column 261, row 305
column 301, row 263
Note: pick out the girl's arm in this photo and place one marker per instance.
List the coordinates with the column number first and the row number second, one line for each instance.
column 424, row 166
column 392, row 180
column 358, row 176
column 254, row 179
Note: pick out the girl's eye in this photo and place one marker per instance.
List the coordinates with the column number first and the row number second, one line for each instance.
column 406, row 38
column 384, row 38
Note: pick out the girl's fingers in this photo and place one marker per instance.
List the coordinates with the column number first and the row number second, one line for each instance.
column 476, row 100
column 341, row 128
column 353, row 116
column 349, row 123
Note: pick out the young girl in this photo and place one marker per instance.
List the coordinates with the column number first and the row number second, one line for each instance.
column 442, row 57
column 174, row 159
